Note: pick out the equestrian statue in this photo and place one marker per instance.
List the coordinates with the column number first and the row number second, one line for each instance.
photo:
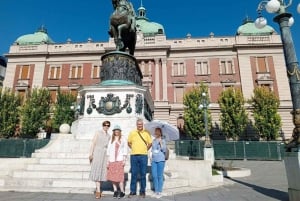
column 123, row 25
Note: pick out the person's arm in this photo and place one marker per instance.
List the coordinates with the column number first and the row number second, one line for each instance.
column 129, row 145
column 124, row 152
column 149, row 145
column 108, row 151
column 129, row 141
column 91, row 152
column 164, row 145
column 149, row 141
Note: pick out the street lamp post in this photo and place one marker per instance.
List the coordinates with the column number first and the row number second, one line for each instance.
column 285, row 21
column 208, row 148
column 204, row 105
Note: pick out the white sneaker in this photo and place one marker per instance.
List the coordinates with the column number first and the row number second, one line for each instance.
column 158, row 195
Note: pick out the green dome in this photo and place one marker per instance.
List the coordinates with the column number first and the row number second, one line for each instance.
column 145, row 26
column 248, row 28
column 39, row 37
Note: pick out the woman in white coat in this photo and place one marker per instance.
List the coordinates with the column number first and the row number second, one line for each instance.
column 117, row 151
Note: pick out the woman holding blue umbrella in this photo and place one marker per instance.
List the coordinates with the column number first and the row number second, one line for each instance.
column 159, row 147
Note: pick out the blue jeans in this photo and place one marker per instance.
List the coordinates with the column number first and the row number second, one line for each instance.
column 158, row 175
column 138, row 165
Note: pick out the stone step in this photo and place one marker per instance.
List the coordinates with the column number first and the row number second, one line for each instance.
column 58, row 167
column 51, row 189
column 75, row 183
column 27, row 182
column 59, row 155
column 65, row 161
column 50, row 174
column 4, row 172
column 63, row 166
column 70, row 185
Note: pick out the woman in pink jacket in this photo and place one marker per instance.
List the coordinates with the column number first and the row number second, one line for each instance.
column 117, row 155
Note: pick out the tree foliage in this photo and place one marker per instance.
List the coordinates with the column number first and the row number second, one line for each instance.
column 233, row 117
column 194, row 122
column 9, row 112
column 63, row 113
column 35, row 112
column 265, row 111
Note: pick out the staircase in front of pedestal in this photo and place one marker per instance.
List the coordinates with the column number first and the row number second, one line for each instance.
column 66, row 169
column 52, row 172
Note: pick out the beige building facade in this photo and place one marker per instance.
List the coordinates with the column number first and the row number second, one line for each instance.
column 170, row 67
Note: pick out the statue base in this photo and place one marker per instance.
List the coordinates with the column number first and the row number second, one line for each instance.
column 121, row 105
column 120, row 97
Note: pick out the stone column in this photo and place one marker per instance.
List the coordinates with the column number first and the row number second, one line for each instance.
column 157, row 83
column 164, row 79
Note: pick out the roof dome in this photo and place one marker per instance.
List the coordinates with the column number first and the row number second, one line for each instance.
column 248, row 28
column 39, row 37
column 145, row 26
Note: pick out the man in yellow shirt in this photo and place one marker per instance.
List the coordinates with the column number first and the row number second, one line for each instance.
column 139, row 141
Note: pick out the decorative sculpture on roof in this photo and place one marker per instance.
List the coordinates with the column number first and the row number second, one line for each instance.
column 123, row 26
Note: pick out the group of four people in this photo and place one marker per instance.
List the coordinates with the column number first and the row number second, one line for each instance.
column 108, row 155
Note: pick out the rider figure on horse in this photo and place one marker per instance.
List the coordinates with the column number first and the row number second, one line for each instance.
column 122, row 8
column 125, row 5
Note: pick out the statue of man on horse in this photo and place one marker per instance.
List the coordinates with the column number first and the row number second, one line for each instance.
column 123, row 26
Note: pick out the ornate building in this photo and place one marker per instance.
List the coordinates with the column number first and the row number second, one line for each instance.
column 250, row 57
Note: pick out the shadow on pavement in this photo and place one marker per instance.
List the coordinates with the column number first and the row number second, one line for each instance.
column 273, row 193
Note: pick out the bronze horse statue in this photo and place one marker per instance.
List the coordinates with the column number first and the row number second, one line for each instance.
column 122, row 26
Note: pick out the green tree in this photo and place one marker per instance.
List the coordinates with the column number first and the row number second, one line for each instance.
column 233, row 117
column 63, row 113
column 194, row 122
column 35, row 112
column 265, row 112
column 9, row 112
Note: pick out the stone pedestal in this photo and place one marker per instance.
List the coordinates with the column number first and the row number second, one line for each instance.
column 120, row 105
column 120, row 97
column 292, row 166
column 209, row 154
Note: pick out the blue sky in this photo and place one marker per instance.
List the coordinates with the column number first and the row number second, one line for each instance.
column 79, row 20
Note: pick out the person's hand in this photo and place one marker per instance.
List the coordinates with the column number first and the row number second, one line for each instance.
column 91, row 158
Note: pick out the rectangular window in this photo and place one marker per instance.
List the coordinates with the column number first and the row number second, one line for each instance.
column 223, row 67
column 53, row 95
column 73, row 72
column 261, row 65
column 175, row 69
column 24, row 72
column 202, row 68
column 229, row 67
column 76, row 72
column 79, row 72
column 179, row 91
column 96, row 72
column 226, row 67
column 178, row 69
column 55, row 72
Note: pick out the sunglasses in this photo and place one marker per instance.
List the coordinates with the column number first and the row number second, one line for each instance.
column 106, row 125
